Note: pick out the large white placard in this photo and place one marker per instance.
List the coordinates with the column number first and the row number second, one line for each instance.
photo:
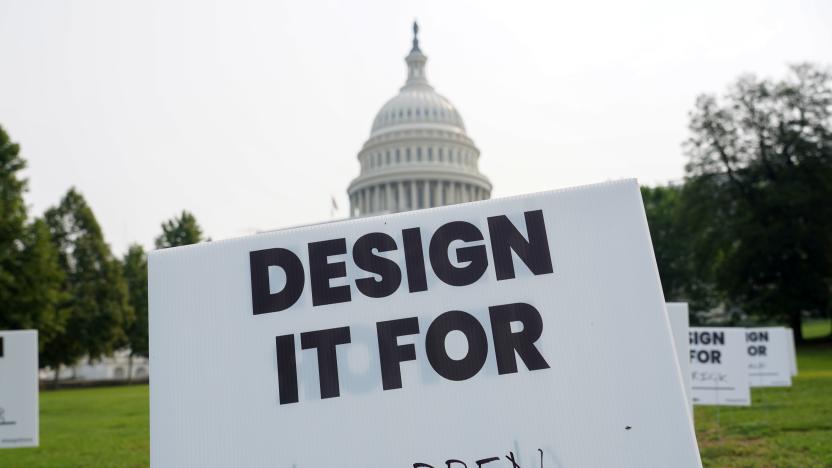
column 529, row 329
column 678, row 314
column 792, row 352
column 19, row 388
column 768, row 357
column 719, row 366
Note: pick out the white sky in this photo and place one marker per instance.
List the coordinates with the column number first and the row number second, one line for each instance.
column 250, row 113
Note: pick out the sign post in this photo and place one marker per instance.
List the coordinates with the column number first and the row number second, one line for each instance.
column 522, row 331
column 19, row 388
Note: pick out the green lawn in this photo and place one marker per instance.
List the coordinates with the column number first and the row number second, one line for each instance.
column 783, row 427
column 108, row 427
column 98, row 427
column 819, row 328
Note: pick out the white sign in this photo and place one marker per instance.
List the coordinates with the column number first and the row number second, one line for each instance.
column 521, row 331
column 792, row 352
column 719, row 366
column 678, row 314
column 768, row 357
column 18, row 388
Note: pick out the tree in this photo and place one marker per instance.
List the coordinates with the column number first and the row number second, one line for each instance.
column 30, row 277
column 758, row 191
column 38, row 290
column 12, row 219
column 97, row 307
column 661, row 207
column 181, row 230
column 134, row 267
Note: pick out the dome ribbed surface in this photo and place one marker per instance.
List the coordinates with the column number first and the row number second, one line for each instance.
column 421, row 105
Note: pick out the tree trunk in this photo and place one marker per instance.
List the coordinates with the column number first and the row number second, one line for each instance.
column 795, row 323
column 130, row 368
column 57, row 376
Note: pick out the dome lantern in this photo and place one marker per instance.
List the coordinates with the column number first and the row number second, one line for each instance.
column 416, row 63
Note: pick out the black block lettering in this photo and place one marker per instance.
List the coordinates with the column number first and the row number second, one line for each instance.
column 534, row 252
column 325, row 342
column 415, row 260
column 391, row 353
column 474, row 255
column 506, row 342
column 262, row 300
column 441, row 362
column 287, row 369
column 362, row 254
column 321, row 271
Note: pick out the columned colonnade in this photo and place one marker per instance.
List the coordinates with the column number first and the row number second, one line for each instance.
column 392, row 197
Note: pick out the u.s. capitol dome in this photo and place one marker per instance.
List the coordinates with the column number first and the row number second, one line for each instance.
column 418, row 154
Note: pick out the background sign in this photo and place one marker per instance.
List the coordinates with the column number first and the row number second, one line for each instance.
column 678, row 314
column 18, row 388
column 769, row 363
column 523, row 331
column 719, row 366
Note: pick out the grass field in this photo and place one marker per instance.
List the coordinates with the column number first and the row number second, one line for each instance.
column 98, row 427
column 814, row 329
column 784, row 427
column 108, row 427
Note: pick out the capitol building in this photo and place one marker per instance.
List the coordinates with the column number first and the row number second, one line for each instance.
column 418, row 154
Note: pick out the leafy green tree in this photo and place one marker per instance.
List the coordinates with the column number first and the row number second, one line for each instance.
column 134, row 267
column 661, row 205
column 97, row 307
column 758, row 191
column 12, row 218
column 38, row 291
column 30, row 277
column 180, row 230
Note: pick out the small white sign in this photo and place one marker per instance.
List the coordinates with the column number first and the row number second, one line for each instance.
column 680, row 326
column 719, row 366
column 792, row 352
column 769, row 364
column 18, row 388
column 522, row 331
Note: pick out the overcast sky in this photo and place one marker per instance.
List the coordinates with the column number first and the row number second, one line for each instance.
column 250, row 113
